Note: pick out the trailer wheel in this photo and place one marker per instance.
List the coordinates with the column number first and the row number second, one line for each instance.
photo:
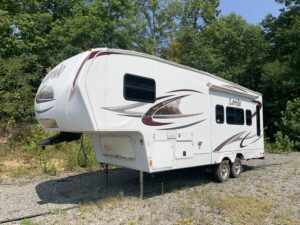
column 236, row 168
column 221, row 171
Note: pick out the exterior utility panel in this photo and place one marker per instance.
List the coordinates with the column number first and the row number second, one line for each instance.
column 150, row 114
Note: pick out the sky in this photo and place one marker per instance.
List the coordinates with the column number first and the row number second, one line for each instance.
column 253, row 11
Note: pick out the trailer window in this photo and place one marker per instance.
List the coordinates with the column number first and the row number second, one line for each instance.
column 258, row 120
column 219, row 114
column 234, row 116
column 137, row 88
column 248, row 117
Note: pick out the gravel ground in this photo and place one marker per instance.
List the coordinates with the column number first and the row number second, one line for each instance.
column 268, row 192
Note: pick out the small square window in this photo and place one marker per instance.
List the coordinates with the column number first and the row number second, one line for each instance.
column 248, row 117
column 219, row 114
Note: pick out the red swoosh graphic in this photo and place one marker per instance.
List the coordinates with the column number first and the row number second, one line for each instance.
column 147, row 118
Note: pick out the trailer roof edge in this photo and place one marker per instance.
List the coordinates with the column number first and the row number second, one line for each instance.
column 144, row 55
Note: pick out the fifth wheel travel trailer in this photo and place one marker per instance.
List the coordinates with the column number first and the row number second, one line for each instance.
column 149, row 114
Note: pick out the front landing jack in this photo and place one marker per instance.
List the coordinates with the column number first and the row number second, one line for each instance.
column 141, row 184
column 106, row 175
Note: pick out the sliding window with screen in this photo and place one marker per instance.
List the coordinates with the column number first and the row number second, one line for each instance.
column 137, row 88
column 235, row 116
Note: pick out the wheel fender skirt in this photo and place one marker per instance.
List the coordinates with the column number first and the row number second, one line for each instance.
column 61, row 137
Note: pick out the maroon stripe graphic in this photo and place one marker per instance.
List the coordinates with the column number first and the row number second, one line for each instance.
column 259, row 104
column 235, row 138
column 123, row 109
column 147, row 119
column 184, row 126
column 180, row 90
column 167, row 109
column 175, row 116
column 229, row 140
column 256, row 139
column 91, row 55
column 162, row 97
column 241, row 144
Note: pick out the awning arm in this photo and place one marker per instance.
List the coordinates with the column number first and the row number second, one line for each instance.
column 231, row 91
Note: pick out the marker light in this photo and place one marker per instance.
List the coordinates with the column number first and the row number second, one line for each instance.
column 46, row 94
column 48, row 123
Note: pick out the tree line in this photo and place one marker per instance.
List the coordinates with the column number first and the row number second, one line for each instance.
column 38, row 34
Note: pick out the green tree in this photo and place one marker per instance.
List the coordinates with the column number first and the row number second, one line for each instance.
column 156, row 24
column 194, row 15
column 280, row 79
column 104, row 24
column 16, row 91
column 230, row 48
column 290, row 121
column 36, row 35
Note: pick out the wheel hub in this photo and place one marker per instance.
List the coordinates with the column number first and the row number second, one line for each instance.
column 237, row 168
column 224, row 171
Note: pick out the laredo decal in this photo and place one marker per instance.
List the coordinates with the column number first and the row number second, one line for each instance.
column 169, row 108
column 235, row 102
column 55, row 73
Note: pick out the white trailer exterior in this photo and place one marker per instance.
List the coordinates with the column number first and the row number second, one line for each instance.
column 149, row 114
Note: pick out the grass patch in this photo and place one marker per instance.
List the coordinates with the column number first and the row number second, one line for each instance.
column 241, row 209
column 109, row 202
column 27, row 222
column 29, row 160
column 20, row 170
column 285, row 218
column 132, row 222
column 184, row 221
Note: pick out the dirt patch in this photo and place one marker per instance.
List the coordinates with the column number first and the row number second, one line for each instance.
column 4, row 140
column 12, row 163
column 3, row 176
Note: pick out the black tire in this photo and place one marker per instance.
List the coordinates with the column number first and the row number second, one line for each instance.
column 236, row 168
column 221, row 171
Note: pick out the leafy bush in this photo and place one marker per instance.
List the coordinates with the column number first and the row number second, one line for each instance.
column 80, row 156
column 49, row 168
column 37, row 134
column 16, row 92
column 71, row 161
column 291, row 121
column 283, row 142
